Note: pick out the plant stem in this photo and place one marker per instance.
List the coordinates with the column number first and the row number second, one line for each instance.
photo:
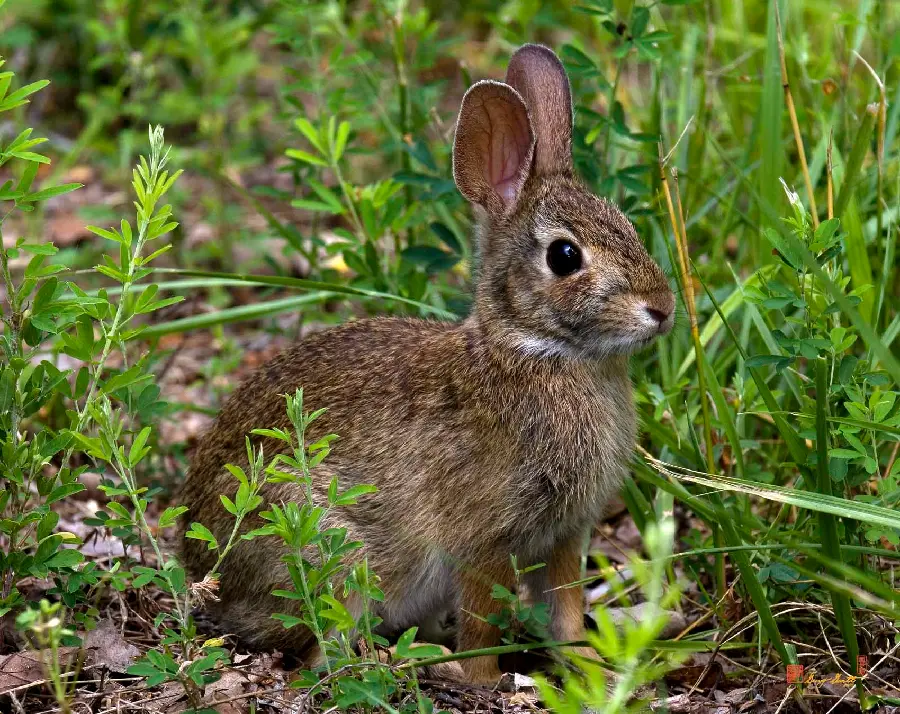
column 14, row 321
column 795, row 125
column 831, row 541
column 404, row 107
column 678, row 229
column 829, row 171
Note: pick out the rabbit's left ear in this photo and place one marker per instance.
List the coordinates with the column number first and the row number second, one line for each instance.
column 536, row 73
column 493, row 146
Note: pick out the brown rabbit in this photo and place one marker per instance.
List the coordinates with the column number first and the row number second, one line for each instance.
column 503, row 434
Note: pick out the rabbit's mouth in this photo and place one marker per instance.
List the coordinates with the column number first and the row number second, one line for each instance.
column 625, row 343
column 593, row 345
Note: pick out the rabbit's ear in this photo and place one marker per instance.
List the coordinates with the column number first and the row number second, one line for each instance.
column 536, row 73
column 493, row 146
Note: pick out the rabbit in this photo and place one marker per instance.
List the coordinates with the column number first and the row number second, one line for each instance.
column 504, row 433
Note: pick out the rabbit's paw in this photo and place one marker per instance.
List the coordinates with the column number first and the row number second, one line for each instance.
column 483, row 671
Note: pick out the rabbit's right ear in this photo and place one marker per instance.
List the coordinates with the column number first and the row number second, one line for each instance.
column 493, row 147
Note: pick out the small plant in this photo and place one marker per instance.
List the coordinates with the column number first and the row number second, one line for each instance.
column 519, row 620
column 34, row 311
column 45, row 627
column 325, row 570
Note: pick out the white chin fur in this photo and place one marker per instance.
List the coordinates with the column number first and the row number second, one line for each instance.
column 544, row 347
column 609, row 346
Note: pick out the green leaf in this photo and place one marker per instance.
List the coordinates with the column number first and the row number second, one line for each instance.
column 303, row 284
column 104, row 233
column 306, row 157
column 326, row 195
column 134, row 375
column 145, row 576
column 819, row 503
column 764, row 360
column 52, row 191
column 170, row 516
column 7, row 389
column 39, row 248
column 786, row 248
column 229, row 504
column 65, row 558
column 447, row 237
column 198, row 531
column 311, row 133
column 28, row 175
column 30, row 156
column 350, row 496
column 337, row 613
column 61, row 492
column 406, row 649
column 314, row 206
column 434, row 259
column 137, row 447
column 340, row 143
column 26, row 91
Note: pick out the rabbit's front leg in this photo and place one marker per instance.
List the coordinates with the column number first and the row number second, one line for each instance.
column 474, row 633
column 549, row 585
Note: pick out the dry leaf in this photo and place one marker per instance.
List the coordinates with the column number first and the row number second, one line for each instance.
column 107, row 648
column 23, row 668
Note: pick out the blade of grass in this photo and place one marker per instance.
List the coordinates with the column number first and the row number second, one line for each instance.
column 285, row 230
column 828, row 527
column 728, row 307
column 303, row 284
column 638, row 506
column 846, row 591
column 665, row 436
column 851, row 574
column 879, row 153
column 725, row 414
column 847, row 209
column 858, row 256
column 887, row 270
column 851, row 169
column 867, row 550
column 241, row 313
column 173, row 285
column 770, row 112
column 810, row 500
column 858, row 423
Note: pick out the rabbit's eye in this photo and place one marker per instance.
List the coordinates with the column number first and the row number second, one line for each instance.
column 563, row 257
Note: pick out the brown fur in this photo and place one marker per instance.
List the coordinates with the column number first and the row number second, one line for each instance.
column 503, row 434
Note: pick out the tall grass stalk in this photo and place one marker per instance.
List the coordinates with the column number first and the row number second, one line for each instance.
column 829, row 173
column 795, row 125
column 831, row 539
column 687, row 282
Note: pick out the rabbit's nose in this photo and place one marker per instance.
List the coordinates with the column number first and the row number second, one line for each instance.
column 659, row 308
column 657, row 315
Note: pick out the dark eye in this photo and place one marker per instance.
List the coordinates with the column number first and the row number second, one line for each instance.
column 563, row 257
